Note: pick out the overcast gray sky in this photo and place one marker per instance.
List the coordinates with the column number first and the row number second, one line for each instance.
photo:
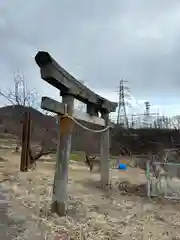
column 98, row 41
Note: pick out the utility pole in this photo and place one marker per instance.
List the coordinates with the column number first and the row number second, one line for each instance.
column 122, row 115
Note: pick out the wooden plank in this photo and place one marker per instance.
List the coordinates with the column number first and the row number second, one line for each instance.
column 58, row 77
column 28, row 140
column 104, row 154
column 63, row 151
column 57, row 107
column 25, row 143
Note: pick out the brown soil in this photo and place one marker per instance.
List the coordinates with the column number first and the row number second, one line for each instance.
column 121, row 212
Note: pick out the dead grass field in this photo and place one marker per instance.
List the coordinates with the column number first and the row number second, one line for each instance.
column 92, row 213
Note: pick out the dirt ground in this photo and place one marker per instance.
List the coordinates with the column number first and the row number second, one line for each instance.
column 121, row 212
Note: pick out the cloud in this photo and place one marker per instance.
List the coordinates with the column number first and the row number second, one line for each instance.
column 99, row 42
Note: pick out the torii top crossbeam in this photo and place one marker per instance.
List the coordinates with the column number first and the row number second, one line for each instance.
column 58, row 77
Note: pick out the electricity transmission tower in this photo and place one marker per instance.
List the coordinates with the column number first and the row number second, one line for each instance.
column 122, row 115
column 147, row 114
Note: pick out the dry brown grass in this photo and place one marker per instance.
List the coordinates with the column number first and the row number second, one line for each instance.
column 92, row 213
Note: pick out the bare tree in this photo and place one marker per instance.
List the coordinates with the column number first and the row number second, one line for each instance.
column 21, row 95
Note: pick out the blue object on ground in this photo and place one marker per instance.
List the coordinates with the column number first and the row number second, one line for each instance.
column 122, row 166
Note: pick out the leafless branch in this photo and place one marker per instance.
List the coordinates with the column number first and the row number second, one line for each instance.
column 37, row 155
column 7, row 97
column 20, row 94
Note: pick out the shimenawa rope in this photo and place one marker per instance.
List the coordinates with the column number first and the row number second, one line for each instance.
column 82, row 126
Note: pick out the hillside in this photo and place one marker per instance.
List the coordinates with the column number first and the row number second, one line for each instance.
column 11, row 118
column 45, row 127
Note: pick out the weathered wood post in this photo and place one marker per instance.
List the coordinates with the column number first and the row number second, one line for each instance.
column 104, row 153
column 63, row 151
column 24, row 165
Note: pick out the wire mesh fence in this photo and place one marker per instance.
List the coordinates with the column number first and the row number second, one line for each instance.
column 163, row 179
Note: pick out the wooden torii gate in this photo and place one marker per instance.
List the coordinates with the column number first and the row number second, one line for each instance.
column 71, row 89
